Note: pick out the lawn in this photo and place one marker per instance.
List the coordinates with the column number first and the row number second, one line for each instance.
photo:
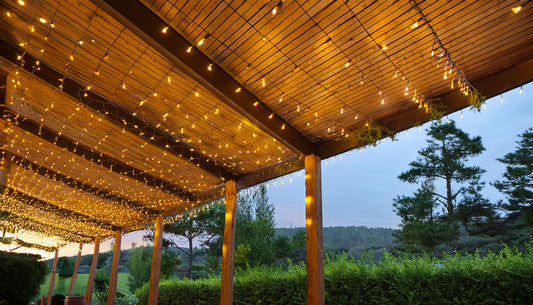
column 62, row 284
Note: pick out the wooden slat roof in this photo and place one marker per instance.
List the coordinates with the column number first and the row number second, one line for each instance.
column 114, row 113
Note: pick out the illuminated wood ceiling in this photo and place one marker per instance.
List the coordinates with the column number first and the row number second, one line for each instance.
column 118, row 111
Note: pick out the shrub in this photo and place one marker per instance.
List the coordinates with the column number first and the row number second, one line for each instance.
column 20, row 277
column 503, row 278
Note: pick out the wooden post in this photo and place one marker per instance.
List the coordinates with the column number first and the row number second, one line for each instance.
column 52, row 279
column 228, row 247
column 156, row 262
column 114, row 269
column 42, row 300
column 94, row 264
column 75, row 272
column 313, row 221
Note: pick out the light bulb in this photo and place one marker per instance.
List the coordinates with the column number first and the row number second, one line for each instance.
column 201, row 42
column 164, row 30
column 274, row 10
column 342, row 110
column 189, row 49
column 414, row 25
column 520, row 90
column 21, row 2
column 514, row 9
column 41, row 20
column 210, row 67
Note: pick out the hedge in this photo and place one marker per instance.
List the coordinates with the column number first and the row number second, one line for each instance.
column 503, row 278
column 20, row 277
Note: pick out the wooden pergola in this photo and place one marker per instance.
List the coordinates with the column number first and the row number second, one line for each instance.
column 119, row 114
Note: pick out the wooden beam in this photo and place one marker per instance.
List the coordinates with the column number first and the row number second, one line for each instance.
column 114, row 269
column 313, row 228
column 78, row 185
column 228, row 246
column 45, row 206
column 117, row 113
column 488, row 86
column 52, row 279
column 92, row 274
column 156, row 262
column 147, row 25
column 97, row 158
column 75, row 272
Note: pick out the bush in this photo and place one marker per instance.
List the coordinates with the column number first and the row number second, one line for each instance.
column 20, row 277
column 504, row 278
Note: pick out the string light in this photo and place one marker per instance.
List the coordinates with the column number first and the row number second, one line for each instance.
column 21, row 2
column 210, row 67
column 520, row 89
column 516, row 9
column 414, row 25
column 189, row 49
column 164, row 30
column 41, row 20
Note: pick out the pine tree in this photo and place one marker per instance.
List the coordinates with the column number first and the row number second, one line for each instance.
column 517, row 181
column 431, row 217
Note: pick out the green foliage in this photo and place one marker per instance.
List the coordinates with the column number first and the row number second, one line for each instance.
column 101, row 286
column 283, row 246
column 242, row 256
column 255, row 225
column 20, row 277
column 65, row 265
column 429, row 217
column 435, row 109
column 141, row 263
column 517, row 181
column 204, row 225
column 504, row 278
column 370, row 134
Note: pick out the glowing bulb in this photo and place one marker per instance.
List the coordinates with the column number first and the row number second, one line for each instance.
column 8, row 14
column 189, row 49
column 164, row 30
column 283, row 126
column 384, row 47
column 196, row 93
column 142, row 102
column 256, row 103
column 271, row 115
column 168, row 79
column 298, row 108
column 41, row 20
column 520, row 90
column 21, row 2
column 96, row 72
column 514, row 9
column 106, row 56
column 32, row 29
column 356, row 116
column 382, row 101
column 52, row 24
column 414, row 25
column 240, row 126
column 210, row 67
column 201, row 42
column 461, row 115
column 342, row 110
column 347, row 64
column 124, row 85
column 238, row 90
column 501, row 98
column 274, row 10
column 80, row 42
column 395, row 74
column 263, row 82
column 217, row 111
column 71, row 58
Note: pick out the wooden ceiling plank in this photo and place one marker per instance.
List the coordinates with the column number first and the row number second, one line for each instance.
column 147, row 25
column 97, row 158
column 118, row 114
column 489, row 86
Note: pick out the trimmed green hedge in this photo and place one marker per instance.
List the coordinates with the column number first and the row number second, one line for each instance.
column 505, row 278
column 20, row 277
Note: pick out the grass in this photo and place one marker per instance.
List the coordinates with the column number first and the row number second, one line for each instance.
column 62, row 284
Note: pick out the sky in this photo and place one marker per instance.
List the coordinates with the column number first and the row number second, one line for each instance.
column 358, row 187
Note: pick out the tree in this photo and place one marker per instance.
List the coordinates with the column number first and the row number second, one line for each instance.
column 431, row 217
column 203, row 225
column 255, row 226
column 517, row 182
column 140, row 266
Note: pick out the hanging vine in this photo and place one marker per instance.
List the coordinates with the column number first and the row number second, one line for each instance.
column 371, row 133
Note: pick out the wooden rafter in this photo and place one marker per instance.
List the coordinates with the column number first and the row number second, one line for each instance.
column 98, row 158
column 147, row 25
column 117, row 114
column 78, row 185
column 45, row 206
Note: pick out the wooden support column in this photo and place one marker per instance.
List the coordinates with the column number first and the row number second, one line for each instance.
column 94, row 264
column 114, row 269
column 156, row 262
column 75, row 272
column 52, row 279
column 313, row 226
column 228, row 247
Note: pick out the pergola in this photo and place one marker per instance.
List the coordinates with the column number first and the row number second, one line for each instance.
column 119, row 114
